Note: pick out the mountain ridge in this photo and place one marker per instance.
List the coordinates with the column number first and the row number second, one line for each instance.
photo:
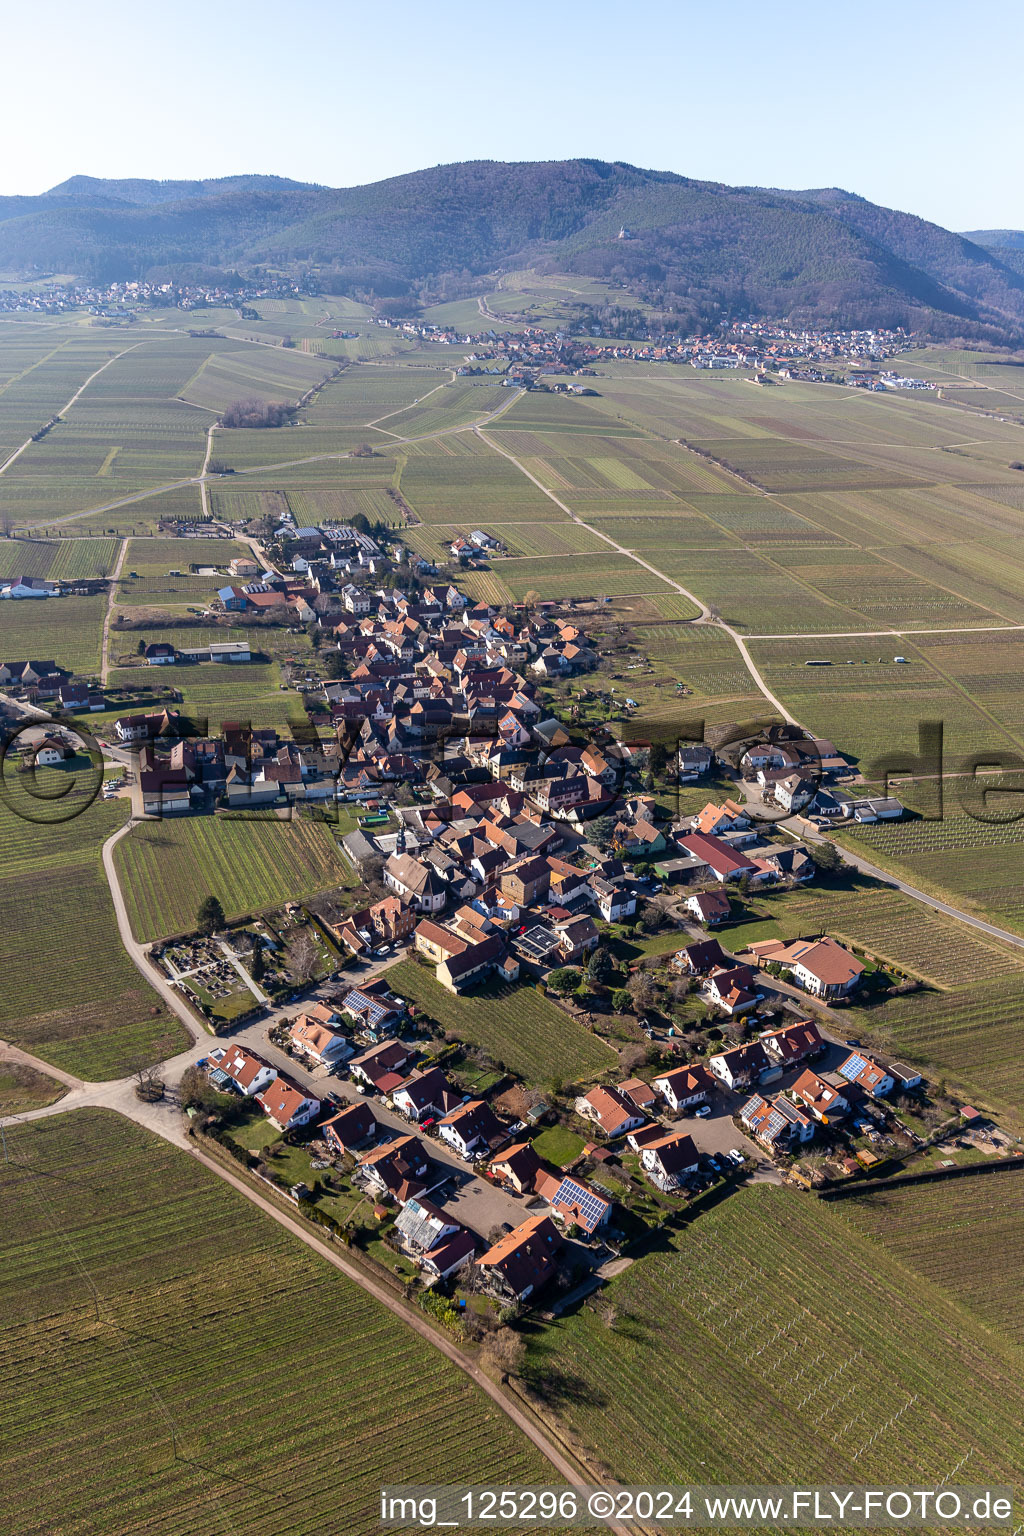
column 698, row 251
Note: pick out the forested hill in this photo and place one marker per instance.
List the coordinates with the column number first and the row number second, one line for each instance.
column 699, row 250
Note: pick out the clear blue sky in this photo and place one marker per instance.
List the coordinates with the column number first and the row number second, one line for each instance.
column 912, row 103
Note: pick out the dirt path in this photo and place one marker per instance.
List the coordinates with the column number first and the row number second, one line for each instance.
column 5, row 466
column 705, row 612
column 115, row 577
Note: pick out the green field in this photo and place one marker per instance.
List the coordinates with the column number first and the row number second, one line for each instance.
column 966, row 1235
column 168, row 867
column 135, row 1401
column 800, row 1375
column 534, row 1038
column 71, row 995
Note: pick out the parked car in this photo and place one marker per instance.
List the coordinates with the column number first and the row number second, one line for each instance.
column 702, row 1111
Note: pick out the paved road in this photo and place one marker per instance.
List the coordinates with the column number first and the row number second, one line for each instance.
column 798, row 828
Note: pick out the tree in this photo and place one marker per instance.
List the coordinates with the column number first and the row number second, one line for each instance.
column 825, row 857
column 259, row 964
column 641, row 990
column 194, row 1091
column 622, row 1000
column 505, row 1351
column 210, row 916
column 302, row 957
column 564, row 979
column 602, row 829
column 600, row 967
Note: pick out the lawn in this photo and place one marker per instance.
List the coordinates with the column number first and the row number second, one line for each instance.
column 135, row 1400
column 800, row 1372
column 167, row 867
column 558, row 1145
column 534, row 1038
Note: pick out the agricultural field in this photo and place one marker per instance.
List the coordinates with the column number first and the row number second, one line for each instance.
column 71, row 995
column 533, row 1038
column 883, row 1378
column 57, row 559
column 135, row 1402
column 154, row 559
column 67, row 630
column 966, row 1235
column 167, row 867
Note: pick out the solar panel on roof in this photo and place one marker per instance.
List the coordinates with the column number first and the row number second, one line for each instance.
column 775, row 1122
column 852, row 1068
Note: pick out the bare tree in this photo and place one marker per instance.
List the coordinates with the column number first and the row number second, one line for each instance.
column 302, row 957
column 505, row 1351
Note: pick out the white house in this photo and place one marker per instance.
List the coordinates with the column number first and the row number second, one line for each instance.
column 286, row 1106
column 245, row 1071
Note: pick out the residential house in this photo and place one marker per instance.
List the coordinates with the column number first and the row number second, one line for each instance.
column 611, row 1110
column 819, row 1098
column 821, row 966
column 382, row 1066
column 732, row 989
column 374, row 1008
column 526, row 882
column 349, row 1129
column 700, row 958
column 397, row 1169
column 723, row 861
column 863, row 1072
column 708, row 907
column 741, row 1066
column 518, row 1264
column 574, row 1203
column 640, row 1093
column 776, row 1123
column 717, row 819
column 247, row 1073
column 792, row 1043
column 426, row 1095
column 437, row 1242
column 519, row 1166
column 324, row 1046
column 669, row 1160
column 471, row 1129
column 683, row 1087
column 286, row 1105
column 694, row 762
